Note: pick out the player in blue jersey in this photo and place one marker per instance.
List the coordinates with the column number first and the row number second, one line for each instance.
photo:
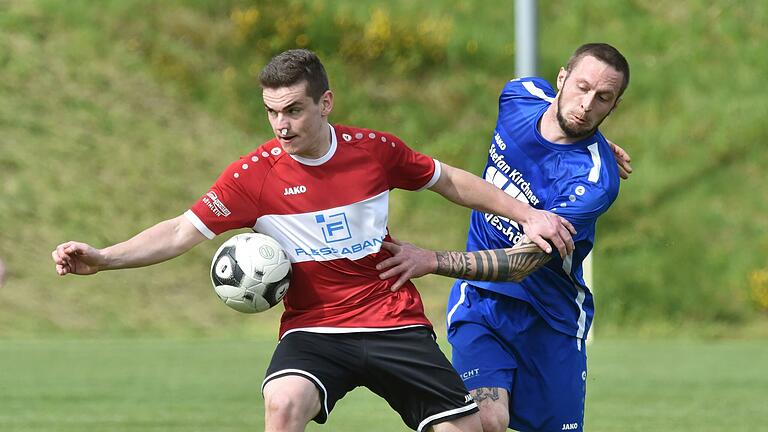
column 517, row 317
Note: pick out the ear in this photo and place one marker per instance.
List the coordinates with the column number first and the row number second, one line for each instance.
column 561, row 78
column 326, row 103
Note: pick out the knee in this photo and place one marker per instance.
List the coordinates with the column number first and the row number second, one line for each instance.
column 280, row 409
column 494, row 420
column 285, row 411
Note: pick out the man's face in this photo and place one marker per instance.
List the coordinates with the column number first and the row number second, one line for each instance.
column 298, row 122
column 587, row 94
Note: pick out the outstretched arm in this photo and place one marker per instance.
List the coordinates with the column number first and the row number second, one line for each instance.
column 510, row 264
column 166, row 240
column 471, row 191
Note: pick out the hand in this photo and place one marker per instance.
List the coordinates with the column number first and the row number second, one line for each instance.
column 77, row 258
column 408, row 261
column 622, row 160
column 541, row 226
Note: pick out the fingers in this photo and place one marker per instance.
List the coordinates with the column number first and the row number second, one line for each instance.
column 397, row 269
column 64, row 256
column 389, row 262
column 623, row 160
column 394, row 271
column 61, row 269
column 623, row 173
column 390, row 247
column 562, row 241
column 540, row 242
column 569, row 245
column 568, row 225
column 625, row 169
column 565, row 231
column 399, row 283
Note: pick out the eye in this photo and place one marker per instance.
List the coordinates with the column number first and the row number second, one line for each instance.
column 294, row 111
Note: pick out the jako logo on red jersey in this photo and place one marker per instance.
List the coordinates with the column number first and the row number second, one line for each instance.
column 295, row 190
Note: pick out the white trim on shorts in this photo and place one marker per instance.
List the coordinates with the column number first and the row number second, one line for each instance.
column 448, row 413
column 345, row 330
column 286, row 372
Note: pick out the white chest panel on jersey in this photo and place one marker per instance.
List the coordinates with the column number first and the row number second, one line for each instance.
column 351, row 231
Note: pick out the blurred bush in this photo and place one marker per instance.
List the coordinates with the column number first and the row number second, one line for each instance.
column 758, row 281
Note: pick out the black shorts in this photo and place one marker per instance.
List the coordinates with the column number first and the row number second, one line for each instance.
column 405, row 367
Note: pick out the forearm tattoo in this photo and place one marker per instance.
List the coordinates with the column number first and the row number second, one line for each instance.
column 511, row 264
column 485, row 393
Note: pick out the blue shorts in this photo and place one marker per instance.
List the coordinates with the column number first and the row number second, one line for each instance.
column 500, row 341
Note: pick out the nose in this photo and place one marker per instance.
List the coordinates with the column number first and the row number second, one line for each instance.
column 281, row 122
column 587, row 100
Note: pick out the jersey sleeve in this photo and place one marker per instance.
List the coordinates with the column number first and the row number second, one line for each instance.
column 228, row 204
column 405, row 167
column 581, row 205
column 533, row 89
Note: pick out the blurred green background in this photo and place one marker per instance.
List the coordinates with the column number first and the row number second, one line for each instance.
column 117, row 114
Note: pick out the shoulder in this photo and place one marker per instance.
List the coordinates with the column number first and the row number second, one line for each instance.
column 357, row 136
column 609, row 169
column 532, row 88
column 588, row 176
column 258, row 163
column 372, row 141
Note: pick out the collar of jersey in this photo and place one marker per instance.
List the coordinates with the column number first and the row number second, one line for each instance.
column 561, row 147
column 322, row 159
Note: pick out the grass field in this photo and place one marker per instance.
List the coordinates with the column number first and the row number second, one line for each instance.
column 213, row 385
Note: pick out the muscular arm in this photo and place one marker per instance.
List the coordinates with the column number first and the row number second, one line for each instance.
column 510, row 264
column 166, row 240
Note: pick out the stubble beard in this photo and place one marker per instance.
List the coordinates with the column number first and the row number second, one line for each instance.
column 573, row 131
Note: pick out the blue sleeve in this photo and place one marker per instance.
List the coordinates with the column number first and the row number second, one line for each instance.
column 581, row 205
column 532, row 88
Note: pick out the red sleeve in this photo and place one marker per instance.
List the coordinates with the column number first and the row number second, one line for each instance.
column 231, row 202
column 406, row 168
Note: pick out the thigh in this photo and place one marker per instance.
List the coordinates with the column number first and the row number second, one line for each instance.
column 326, row 360
column 480, row 350
column 407, row 368
column 550, row 384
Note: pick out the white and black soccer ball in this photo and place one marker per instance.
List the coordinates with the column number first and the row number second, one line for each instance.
column 250, row 272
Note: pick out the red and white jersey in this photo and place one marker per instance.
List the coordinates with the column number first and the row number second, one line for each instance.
column 330, row 215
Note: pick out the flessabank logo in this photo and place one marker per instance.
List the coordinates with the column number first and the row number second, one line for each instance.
column 335, row 227
column 339, row 239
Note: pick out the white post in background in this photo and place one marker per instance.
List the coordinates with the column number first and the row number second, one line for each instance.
column 526, row 50
column 526, row 38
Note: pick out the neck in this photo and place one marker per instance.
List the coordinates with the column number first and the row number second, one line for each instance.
column 323, row 144
column 550, row 128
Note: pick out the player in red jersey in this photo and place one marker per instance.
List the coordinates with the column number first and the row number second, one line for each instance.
column 322, row 192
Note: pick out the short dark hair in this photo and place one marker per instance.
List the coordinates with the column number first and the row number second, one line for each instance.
column 292, row 67
column 605, row 53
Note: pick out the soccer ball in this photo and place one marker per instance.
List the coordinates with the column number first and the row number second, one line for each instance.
column 250, row 272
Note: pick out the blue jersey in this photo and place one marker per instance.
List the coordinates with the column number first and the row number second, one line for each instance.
column 578, row 181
